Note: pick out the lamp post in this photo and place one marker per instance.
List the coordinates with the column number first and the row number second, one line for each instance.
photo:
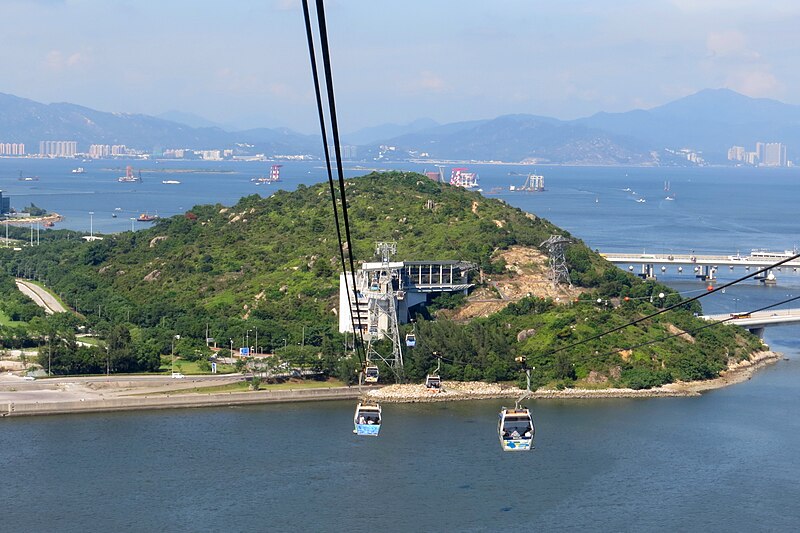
column 173, row 350
column 231, row 347
column 132, row 221
column 91, row 223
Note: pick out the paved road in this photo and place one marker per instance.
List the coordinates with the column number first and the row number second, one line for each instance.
column 40, row 296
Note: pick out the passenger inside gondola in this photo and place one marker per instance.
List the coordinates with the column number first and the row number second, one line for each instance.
column 516, row 429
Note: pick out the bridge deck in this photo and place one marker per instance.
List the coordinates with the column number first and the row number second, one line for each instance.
column 689, row 259
column 761, row 318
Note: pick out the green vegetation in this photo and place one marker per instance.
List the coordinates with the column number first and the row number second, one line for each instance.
column 34, row 210
column 264, row 273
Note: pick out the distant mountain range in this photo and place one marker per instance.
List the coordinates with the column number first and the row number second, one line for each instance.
column 23, row 120
column 709, row 121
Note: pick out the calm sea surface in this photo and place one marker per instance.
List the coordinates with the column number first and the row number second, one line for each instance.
column 724, row 461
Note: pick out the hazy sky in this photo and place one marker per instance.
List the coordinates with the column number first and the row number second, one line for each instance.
column 245, row 62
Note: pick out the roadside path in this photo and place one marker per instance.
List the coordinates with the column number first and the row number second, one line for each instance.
column 41, row 297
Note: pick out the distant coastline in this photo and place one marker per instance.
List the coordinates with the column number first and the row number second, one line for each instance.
column 50, row 217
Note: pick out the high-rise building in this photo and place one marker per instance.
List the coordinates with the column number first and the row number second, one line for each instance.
column 774, row 155
column 736, row 153
column 5, row 204
column 12, row 149
column 58, row 148
column 760, row 149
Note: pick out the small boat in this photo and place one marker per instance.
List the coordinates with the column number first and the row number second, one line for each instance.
column 129, row 176
column 670, row 198
column 170, row 182
column 640, row 200
column 49, row 224
column 79, row 170
column 144, row 217
column 113, row 215
column 27, row 178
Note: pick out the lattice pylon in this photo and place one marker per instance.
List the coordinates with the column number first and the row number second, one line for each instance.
column 559, row 272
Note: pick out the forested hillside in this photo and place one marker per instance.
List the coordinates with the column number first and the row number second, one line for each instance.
column 269, row 267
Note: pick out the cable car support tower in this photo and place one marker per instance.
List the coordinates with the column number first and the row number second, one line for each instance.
column 383, row 302
column 559, row 272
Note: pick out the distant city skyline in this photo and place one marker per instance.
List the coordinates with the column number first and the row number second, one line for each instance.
column 245, row 64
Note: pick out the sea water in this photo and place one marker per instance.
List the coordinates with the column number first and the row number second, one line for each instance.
column 721, row 461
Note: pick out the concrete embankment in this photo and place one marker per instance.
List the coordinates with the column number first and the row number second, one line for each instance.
column 132, row 403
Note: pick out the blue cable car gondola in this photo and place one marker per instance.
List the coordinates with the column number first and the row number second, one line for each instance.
column 411, row 340
column 515, row 426
column 367, row 420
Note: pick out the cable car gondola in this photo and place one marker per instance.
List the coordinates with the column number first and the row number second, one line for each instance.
column 371, row 374
column 432, row 381
column 516, row 430
column 515, row 426
column 411, row 340
column 367, row 420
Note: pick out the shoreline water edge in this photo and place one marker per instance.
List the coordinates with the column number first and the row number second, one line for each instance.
column 451, row 391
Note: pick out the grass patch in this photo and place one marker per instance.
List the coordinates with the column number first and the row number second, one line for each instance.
column 5, row 320
column 191, row 367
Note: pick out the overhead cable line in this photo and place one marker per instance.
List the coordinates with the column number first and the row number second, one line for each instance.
column 670, row 308
column 355, row 320
column 709, row 325
column 662, row 339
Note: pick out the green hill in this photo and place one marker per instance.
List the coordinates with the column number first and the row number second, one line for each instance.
column 269, row 267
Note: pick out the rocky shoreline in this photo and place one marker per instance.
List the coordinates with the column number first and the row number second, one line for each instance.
column 476, row 390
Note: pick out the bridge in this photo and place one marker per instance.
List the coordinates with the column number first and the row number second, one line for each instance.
column 756, row 322
column 705, row 266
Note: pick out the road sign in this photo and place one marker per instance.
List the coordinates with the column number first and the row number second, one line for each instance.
column 244, row 351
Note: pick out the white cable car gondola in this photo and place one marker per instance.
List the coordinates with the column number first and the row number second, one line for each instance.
column 411, row 340
column 432, row 381
column 367, row 420
column 371, row 374
column 515, row 426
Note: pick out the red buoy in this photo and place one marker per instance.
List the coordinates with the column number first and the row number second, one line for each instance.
column 710, row 287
